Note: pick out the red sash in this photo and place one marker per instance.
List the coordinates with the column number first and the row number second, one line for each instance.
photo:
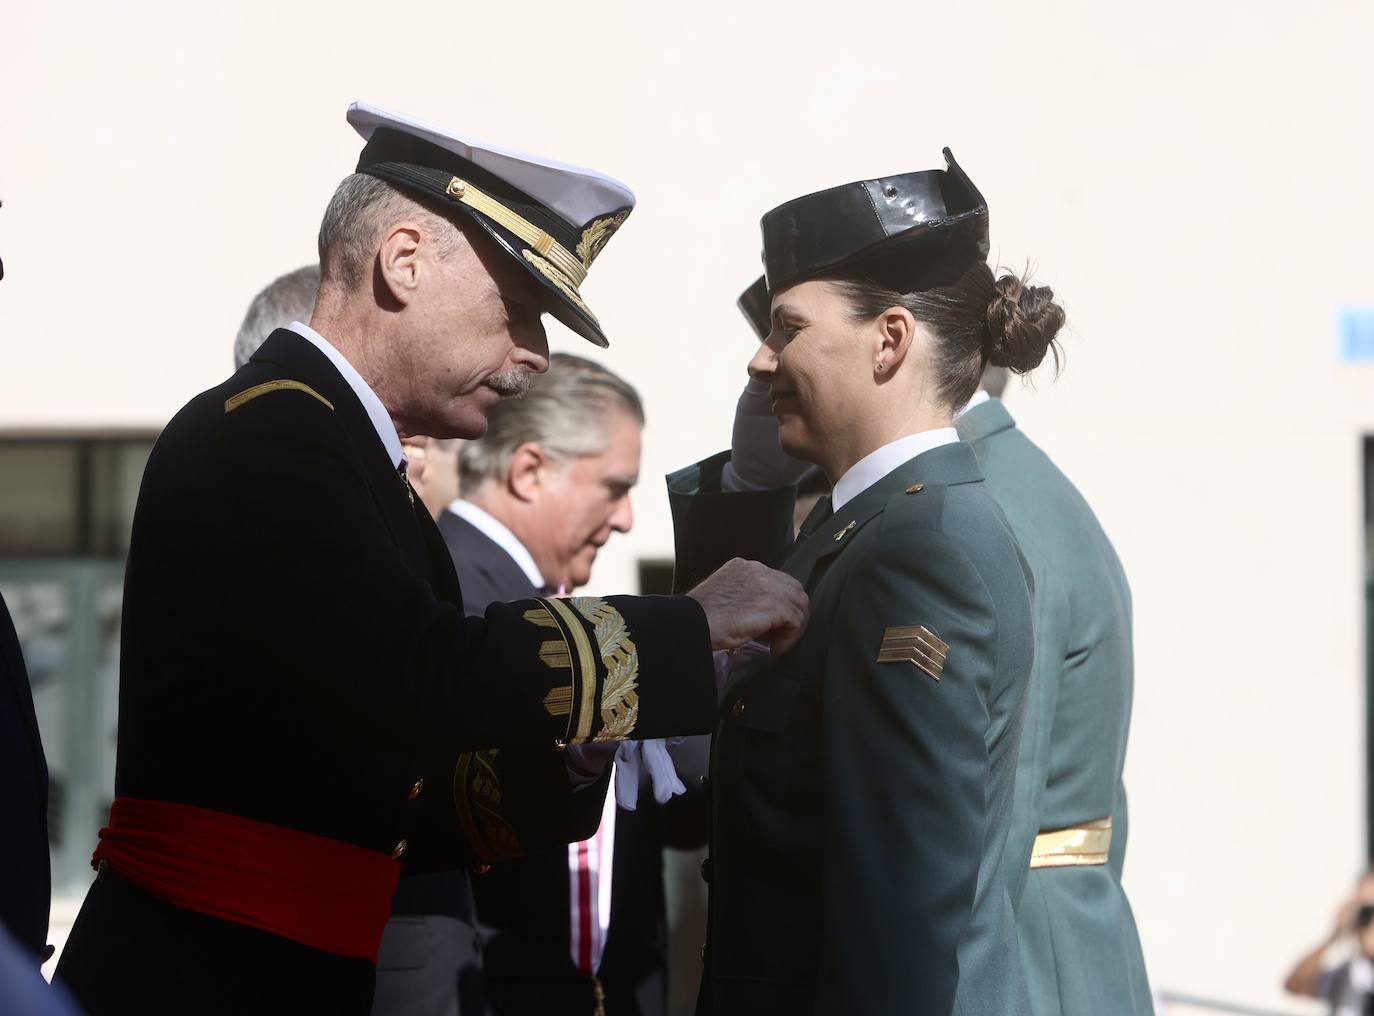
column 323, row 893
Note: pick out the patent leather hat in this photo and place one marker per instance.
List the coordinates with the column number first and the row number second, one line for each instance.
column 931, row 224
column 553, row 219
column 756, row 304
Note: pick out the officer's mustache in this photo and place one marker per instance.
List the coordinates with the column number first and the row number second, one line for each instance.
column 511, row 383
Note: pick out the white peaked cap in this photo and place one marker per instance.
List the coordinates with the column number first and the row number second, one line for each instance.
column 552, row 218
column 576, row 194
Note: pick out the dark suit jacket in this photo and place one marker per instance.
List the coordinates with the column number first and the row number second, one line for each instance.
column 861, row 805
column 523, row 904
column 294, row 653
column 25, row 878
column 1079, row 943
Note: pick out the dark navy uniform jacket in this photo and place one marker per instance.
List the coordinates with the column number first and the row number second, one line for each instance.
column 294, row 652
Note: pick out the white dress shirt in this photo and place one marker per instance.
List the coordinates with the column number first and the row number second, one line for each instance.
column 376, row 412
column 498, row 533
column 877, row 464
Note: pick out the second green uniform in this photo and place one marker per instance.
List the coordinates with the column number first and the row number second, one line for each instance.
column 1079, row 945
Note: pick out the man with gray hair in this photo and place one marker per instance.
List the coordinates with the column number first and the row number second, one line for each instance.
column 290, row 297
column 304, row 709
column 544, row 490
column 554, row 470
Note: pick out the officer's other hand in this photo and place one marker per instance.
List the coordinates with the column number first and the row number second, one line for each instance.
column 745, row 600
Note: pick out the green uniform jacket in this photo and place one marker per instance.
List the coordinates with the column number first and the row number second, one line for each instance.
column 1078, row 938
column 861, row 807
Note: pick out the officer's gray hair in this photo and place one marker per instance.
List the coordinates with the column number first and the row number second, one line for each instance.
column 565, row 411
column 288, row 298
column 361, row 208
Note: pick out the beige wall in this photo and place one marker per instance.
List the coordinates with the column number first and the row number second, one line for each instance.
column 1193, row 179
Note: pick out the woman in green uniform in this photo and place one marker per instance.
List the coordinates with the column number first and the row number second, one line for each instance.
column 862, row 781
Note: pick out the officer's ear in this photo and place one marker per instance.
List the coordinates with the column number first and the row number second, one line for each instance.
column 398, row 262
column 528, row 471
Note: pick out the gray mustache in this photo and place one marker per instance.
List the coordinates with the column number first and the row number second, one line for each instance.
column 511, row 383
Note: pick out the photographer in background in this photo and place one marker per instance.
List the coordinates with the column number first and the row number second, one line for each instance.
column 1340, row 969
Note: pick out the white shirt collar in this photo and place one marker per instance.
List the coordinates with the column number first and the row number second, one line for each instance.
column 497, row 532
column 376, row 412
column 875, row 465
column 979, row 397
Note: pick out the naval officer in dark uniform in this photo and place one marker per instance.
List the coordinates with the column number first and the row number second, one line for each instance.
column 305, row 712
column 862, row 782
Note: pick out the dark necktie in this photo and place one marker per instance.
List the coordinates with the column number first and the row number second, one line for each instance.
column 815, row 518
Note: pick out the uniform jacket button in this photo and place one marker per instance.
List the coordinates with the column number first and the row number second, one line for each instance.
column 706, row 870
column 415, row 790
column 400, row 849
column 706, row 784
column 737, row 710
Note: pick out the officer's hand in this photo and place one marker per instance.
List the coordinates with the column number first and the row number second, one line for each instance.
column 745, row 600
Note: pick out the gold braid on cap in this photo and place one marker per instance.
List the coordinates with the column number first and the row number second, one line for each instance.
column 539, row 240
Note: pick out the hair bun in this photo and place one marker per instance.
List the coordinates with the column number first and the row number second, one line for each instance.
column 1022, row 323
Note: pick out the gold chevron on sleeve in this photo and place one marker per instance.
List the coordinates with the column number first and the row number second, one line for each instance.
column 556, row 655
column 917, row 645
column 558, row 702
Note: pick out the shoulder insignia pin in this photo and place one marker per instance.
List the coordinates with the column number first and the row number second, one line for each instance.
column 917, row 645
column 248, row 395
column 915, row 488
column 840, row 535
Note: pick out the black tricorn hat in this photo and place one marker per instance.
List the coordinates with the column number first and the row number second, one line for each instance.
column 551, row 217
column 756, row 304
column 934, row 223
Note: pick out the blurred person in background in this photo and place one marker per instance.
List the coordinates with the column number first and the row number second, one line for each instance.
column 25, row 872
column 1340, row 968
column 581, row 928
column 23, row 992
column 434, row 470
column 1079, row 946
column 289, row 297
column 25, row 876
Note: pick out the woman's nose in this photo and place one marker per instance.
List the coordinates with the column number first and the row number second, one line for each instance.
column 764, row 363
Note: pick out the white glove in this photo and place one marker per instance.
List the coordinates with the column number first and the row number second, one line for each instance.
column 654, row 756
column 757, row 461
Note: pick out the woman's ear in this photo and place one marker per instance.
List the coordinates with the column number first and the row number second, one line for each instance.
column 527, row 469
column 896, row 332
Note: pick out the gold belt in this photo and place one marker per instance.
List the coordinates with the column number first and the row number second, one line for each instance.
column 1069, row 848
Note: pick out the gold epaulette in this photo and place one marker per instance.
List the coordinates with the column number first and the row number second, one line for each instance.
column 249, row 394
column 1084, row 845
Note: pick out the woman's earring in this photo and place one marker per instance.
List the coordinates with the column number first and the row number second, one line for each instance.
column 878, row 367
